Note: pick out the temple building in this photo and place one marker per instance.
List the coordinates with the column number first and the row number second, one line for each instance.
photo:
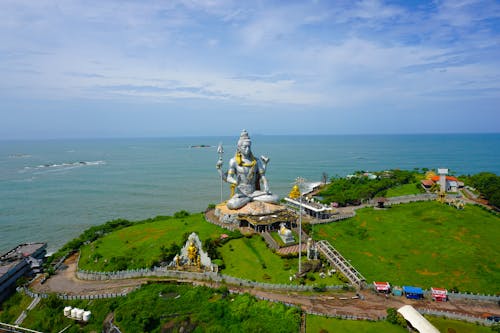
column 311, row 208
column 24, row 260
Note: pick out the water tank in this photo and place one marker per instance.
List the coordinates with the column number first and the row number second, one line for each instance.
column 79, row 314
column 67, row 311
column 86, row 315
column 73, row 312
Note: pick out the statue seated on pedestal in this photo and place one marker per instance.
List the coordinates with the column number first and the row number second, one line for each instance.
column 245, row 175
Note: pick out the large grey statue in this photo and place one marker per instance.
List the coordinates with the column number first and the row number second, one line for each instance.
column 245, row 175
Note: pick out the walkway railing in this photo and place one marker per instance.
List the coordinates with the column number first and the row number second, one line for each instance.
column 270, row 240
column 4, row 327
column 205, row 276
column 341, row 263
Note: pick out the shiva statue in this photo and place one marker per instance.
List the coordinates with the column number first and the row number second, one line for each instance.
column 245, row 175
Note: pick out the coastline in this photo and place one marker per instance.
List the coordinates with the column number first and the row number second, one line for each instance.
column 140, row 178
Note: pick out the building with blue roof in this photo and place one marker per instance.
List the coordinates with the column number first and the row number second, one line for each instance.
column 413, row 292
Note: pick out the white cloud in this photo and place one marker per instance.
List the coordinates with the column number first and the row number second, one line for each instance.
column 320, row 55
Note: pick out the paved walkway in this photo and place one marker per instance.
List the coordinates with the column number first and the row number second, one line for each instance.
column 24, row 314
column 292, row 249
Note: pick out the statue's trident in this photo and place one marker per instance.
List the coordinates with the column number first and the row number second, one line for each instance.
column 220, row 151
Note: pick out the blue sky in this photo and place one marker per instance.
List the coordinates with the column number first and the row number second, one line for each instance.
column 114, row 68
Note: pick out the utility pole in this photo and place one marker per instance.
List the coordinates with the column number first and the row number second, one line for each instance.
column 300, row 181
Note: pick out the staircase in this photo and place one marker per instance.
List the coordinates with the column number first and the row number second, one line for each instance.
column 336, row 259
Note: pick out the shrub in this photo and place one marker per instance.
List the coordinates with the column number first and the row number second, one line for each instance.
column 320, row 287
column 181, row 214
column 395, row 318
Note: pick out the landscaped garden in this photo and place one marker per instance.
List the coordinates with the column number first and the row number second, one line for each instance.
column 145, row 244
column 424, row 244
column 250, row 258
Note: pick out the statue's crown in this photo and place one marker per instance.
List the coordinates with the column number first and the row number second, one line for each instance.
column 243, row 137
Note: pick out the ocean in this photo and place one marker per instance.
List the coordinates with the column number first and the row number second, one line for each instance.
column 52, row 190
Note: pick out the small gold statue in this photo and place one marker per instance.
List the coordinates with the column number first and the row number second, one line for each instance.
column 192, row 253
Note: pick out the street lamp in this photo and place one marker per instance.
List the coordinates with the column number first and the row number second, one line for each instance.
column 299, row 181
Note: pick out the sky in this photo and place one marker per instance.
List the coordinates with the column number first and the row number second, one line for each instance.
column 119, row 68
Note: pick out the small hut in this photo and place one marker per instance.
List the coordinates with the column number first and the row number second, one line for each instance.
column 382, row 287
column 413, row 292
column 380, row 201
column 439, row 294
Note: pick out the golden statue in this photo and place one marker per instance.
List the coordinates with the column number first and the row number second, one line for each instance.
column 192, row 253
column 295, row 192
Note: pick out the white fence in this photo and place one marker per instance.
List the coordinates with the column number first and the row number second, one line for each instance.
column 205, row 276
column 73, row 297
column 457, row 316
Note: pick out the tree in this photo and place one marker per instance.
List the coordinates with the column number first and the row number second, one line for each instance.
column 395, row 318
column 324, row 177
column 488, row 184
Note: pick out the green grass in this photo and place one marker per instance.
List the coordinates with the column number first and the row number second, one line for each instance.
column 424, row 244
column 171, row 307
column 323, row 324
column 315, row 324
column 251, row 259
column 48, row 316
column 456, row 326
column 139, row 245
column 12, row 307
column 406, row 189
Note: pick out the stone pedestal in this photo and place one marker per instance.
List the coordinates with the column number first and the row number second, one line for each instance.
column 255, row 209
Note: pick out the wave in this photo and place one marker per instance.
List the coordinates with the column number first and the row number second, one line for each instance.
column 65, row 165
column 19, row 156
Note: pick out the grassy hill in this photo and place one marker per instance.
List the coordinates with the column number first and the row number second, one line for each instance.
column 140, row 245
column 425, row 244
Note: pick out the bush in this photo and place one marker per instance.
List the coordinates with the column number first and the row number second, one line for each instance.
column 354, row 190
column 320, row 287
column 395, row 318
column 181, row 214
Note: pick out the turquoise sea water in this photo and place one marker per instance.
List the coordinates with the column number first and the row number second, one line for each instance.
column 52, row 190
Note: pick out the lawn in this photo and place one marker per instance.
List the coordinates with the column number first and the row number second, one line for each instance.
column 315, row 324
column 251, row 259
column 424, row 244
column 406, row 189
column 139, row 245
column 324, row 324
column 456, row 326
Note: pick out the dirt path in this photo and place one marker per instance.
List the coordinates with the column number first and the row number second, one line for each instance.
column 66, row 282
column 369, row 305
